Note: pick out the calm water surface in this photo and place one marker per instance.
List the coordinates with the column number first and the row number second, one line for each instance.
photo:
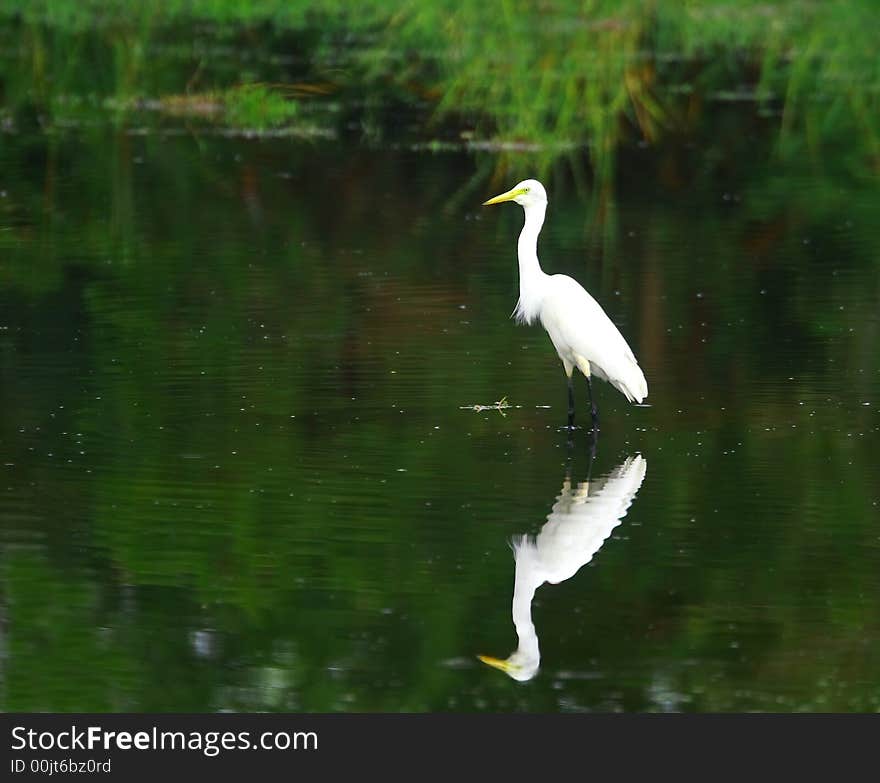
column 242, row 470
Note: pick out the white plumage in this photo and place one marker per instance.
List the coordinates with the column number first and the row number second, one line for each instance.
column 585, row 337
column 582, row 333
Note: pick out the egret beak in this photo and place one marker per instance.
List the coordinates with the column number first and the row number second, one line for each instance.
column 496, row 663
column 509, row 196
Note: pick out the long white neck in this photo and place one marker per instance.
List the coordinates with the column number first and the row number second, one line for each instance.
column 526, row 582
column 531, row 276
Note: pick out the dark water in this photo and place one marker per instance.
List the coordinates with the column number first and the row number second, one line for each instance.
column 240, row 470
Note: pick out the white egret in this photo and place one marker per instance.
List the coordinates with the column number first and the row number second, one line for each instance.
column 580, row 521
column 583, row 335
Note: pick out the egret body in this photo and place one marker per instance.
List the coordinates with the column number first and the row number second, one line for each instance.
column 583, row 335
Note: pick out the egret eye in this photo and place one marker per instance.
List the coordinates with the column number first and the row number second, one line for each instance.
column 526, row 190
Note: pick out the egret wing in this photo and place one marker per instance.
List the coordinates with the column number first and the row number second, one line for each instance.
column 578, row 325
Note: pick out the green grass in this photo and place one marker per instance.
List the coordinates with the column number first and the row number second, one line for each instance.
column 550, row 77
column 258, row 106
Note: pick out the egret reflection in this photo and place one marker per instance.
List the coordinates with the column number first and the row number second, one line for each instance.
column 580, row 521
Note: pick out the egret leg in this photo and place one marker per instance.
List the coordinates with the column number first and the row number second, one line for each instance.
column 569, row 376
column 594, row 411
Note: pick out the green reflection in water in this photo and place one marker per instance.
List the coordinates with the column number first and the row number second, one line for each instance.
column 237, row 473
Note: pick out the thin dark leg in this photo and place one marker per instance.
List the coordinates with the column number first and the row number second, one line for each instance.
column 569, row 451
column 570, row 402
column 594, row 411
column 594, row 442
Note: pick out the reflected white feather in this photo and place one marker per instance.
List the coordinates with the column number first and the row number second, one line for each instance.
column 581, row 520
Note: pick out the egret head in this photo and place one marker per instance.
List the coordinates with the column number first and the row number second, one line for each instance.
column 527, row 193
column 520, row 666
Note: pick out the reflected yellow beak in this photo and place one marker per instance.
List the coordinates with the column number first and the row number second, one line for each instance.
column 496, row 663
column 509, row 196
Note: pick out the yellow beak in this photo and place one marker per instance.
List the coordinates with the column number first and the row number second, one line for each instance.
column 496, row 663
column 509, row 196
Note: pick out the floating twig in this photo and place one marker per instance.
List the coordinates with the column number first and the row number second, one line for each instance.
column 499, row 406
